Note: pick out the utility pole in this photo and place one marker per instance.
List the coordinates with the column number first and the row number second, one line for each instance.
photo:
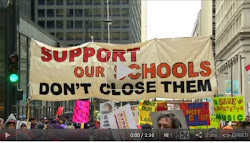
column 108, row 21
column 232, row 78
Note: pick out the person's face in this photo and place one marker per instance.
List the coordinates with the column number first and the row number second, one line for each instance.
column 23, row 127
column 33, row 121
column 234, row 125
column 165, row 123
column 61, row 122
column 1, row 121
column 12, row 126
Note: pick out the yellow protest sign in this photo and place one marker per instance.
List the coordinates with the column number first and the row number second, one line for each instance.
column 229, row 108
column 145, row 108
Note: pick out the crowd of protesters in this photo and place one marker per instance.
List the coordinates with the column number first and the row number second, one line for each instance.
column 164, row 122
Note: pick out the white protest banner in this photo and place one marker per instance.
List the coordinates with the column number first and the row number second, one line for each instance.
column 179, row 68
column 106, row 108
column 122, row 118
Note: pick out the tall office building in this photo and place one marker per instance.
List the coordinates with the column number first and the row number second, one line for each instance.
column 232, row 48
column 205, row 22
column 74, row 21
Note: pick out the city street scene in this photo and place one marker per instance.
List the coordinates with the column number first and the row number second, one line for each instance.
column 124, row 70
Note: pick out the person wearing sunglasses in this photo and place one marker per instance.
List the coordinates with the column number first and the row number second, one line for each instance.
column 168, row 121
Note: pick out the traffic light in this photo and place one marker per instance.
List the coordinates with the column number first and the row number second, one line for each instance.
column 13, row 69
column 19, row 94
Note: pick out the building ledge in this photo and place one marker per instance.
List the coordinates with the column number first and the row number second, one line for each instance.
column 41, row 29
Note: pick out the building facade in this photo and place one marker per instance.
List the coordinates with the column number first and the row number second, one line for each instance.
column 232, row 42
column 27, row 29
column 205, row 22
column 74, row 21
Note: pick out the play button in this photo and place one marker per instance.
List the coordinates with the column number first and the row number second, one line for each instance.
column 6, row 135
column 123, row 71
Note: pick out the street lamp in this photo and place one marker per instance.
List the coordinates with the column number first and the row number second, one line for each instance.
column 241, row 58
column 87, row 22
column 108, row 21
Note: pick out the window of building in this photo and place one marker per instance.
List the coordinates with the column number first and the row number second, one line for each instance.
column 70, row 2
column 78, row 12
column 59, row 12
column 106, row 35
column 70, row 36
column 116, row 11
column 116, row 36
column 50, row 2
column 70, row 24
column 116, row 24
column 97, row 35
column 88, row 24
column 59, row 2
column 78, row 24
column 41, row 24
column 78, row 36
column 88, row 12
column 50, row 24
column 59, row 24
column 41, row 12
column 125, row 12
column 97, row 2
column 97, row 12
column 78, row 2
column 50, row 12
column 125, row 23
column 115, row 2
column 41, row 2
column 97, row 24
column 60, row 35
column 88, row 2
column 70, row 12
column 125, row 2
column 125, row 36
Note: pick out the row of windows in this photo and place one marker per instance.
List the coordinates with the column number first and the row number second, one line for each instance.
column 96, row 35
column 79, row 12
column 228, row 34
column 78, row 24
column 228, row 14
column 81, row 2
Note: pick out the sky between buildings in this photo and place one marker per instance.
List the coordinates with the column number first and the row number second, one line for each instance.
column 171, row 18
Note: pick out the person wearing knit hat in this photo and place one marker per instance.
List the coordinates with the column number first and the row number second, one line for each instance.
column 11, row 124
column 39, row 126
column 23, row 126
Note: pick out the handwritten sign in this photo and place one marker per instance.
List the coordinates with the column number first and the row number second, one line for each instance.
column 135, row 111
column 214, row 123
column 196, row 114
column 122, row 118
column 81, row 112
column 229, row 108
column 59, row 111
column 106, row 108
column 146, row 107
column 162, row 106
